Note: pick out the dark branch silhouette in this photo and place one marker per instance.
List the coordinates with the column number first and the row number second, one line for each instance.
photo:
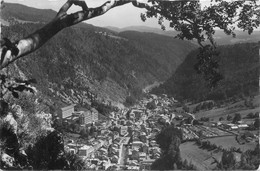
column 10, row 52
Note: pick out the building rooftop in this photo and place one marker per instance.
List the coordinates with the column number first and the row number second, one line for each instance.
column 68, row 107
column 85, row 147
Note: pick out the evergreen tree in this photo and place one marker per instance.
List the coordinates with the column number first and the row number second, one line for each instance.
column 237, row 118
column 169, row 140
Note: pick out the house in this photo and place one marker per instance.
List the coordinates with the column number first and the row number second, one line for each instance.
column 101, row 142
column 137, row 144
column 142, row 156
column 123, row 130
column 96, row 144
column 156, row 155
column 114, row 151
column 231, row 126
column 243, row 126
column 115, row 135
column 73, row 147
column 114, row 159
column 109, row 138
column 105, row 164
column 72, row 151
column 103, row 151
column 94, row 113
column 146, row 164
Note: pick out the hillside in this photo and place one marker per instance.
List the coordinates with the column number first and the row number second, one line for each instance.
column 241, row 37
column 12, row 12
column 144, row 29
column 84, row 57
column 220, row 37
column 239, row 64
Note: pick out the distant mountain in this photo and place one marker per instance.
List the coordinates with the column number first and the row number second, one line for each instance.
column 241, row 37
column 20, row 12
column 145, row 29
column 239, row 64
column 115, row 29
column 220, row 37
column 84, row 57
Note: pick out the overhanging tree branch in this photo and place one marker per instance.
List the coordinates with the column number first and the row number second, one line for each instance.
column 11, row 52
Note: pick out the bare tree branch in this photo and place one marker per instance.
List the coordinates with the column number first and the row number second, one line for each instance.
column 62, row 20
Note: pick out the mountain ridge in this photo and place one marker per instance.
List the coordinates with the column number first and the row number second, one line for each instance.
column 84, row 57
column 239, row 65
column 220, row 37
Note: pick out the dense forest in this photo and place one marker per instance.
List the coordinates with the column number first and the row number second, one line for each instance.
column 113, row 65
column 238, row 64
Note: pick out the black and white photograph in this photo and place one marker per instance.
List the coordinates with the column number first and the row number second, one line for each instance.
column 136, row 85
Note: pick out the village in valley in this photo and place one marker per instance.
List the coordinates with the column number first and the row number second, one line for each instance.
column 177, row 92
column 126, row 139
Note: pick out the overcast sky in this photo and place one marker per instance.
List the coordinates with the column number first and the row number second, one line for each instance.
column 122, row 16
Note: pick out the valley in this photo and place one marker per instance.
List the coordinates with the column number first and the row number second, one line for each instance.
column 96, row 98
column 111, row 65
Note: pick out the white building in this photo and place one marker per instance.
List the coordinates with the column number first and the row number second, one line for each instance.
column 67, row 111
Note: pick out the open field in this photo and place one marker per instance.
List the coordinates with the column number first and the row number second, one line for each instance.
column 231, row 109
column 193, row 132
column 230, row 141
column 237, row 107
column 202, row 159
column 256, row 100
column 215, row 114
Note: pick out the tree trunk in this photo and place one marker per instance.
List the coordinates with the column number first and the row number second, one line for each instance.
column 10, row 52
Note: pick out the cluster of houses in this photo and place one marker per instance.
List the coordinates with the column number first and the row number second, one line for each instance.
column 128, row 139
column 142, row 149
column 101, row 152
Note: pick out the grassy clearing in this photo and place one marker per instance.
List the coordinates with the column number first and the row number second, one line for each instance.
column 202, row 159
column 215, row 114
column 230, row 141
column 231, row 109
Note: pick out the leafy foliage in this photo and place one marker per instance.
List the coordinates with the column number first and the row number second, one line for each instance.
column 208, row 65
column 228, row 159
column 169, row 140
column 48, row 153
column 249, row 160
column 257, row 123
column 130, row 101
column 200, row 23
column 15, row 85
column 151, row 105
column 21, row 129
column 102, row 108
column 236, row 118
